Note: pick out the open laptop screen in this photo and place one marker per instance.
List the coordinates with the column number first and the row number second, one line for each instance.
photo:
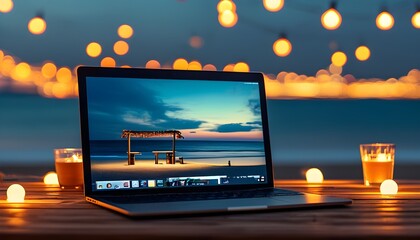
column 173, row 133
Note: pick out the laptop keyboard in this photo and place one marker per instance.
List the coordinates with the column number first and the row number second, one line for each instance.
column 153, row 198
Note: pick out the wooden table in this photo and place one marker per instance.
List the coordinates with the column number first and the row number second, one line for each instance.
column 50, row 212
column 169, row 156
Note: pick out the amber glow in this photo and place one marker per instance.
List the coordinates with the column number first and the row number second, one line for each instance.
column 121, row 48
column 6, row 6
column 389, row 187
column 331, row 19
column 108, row 62
column 180, row 64
column 273, row 5
column 37, row 25
column 415, row 20
column 64, row 75
column 282, row 47
column 339, row 59
column 362, row 53
column 226, row 5
column 333, row 69
column 93, row 49
column 153, row 64
column 229, row 68
column 194, row 65
column 196, row 42
column 21, row 72
column 15, row 193
column 384, row 21
column 228, row 18
column 49, row 70
column 125, row 31
column 209, row 67
column 241, row 67
column 314, row 175
column 51, row 178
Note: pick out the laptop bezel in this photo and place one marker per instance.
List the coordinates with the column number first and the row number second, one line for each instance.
column 83, row 72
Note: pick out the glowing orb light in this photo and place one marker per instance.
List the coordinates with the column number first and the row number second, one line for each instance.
column 226, row 5
column 64, row 75
column 125, row 31
column 209, row 67
column 51, row 178
column 241, row 67
column 49, row 70
column 154, row 64
column 389, row 187
column 195, row 65
column 37, row 25
column 384, row 21
column 228, row 18
column 180, row 64
column 339, row 59
column 362, row 53
column 282, row 47
column 314, row 175
column 93, row 49
column 331, row 19
column 415, row 20
column 6, row 6
column 15, row 193
column 108, row 62
column 273, row 5
column 121, row 47
column 22, row 71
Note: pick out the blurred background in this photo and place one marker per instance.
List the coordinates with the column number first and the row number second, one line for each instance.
column 337, row 73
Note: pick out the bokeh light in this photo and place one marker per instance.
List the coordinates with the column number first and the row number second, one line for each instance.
column 180, row 64
column 339, row 59
column 37, row 25
column 196, row 42
column 241, row 67
column 228, row 18
column 49, row 70
column 229, row 68
column 108, row 62
column 362, row 53
column 194, row 65
column 333, row 69
column 93, row 49
column 125, row 31
column 153, row 64
column 226, row 5
column 415, row 19
column 389, row 187
column 273, row 5
column 64, row 75
column 209, row 67
column 314, row 175
column 21, row 71
column 282, row 47
column 6, row 6
column 384, row 21
column 121, row 48
column 331, row 19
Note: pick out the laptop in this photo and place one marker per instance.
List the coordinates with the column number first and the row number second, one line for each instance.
column 168, row 142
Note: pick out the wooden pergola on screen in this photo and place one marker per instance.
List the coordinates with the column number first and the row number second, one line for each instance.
column 149, row 134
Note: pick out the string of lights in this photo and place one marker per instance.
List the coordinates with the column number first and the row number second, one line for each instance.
column 50, row 80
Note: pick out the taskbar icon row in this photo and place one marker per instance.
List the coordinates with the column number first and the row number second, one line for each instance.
column 126, row 184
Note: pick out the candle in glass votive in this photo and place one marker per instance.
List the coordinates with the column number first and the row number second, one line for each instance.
column 377, row 162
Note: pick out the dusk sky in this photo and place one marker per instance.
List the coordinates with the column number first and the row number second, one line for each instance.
column 162, row 30
column 199, row 109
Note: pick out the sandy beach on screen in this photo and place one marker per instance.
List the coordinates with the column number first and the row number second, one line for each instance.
column 148, row 168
